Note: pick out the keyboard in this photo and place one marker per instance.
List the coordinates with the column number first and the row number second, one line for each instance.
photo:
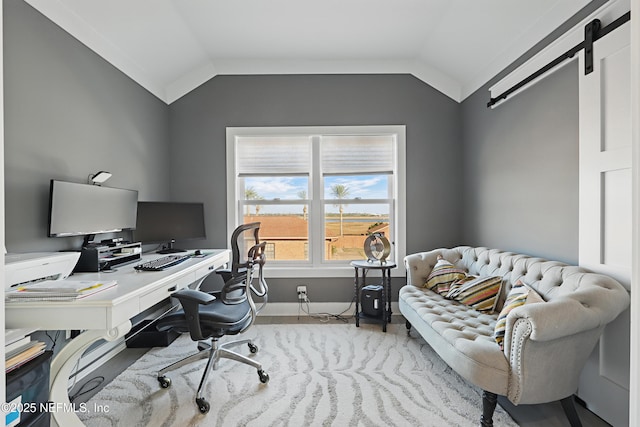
column 160, row 264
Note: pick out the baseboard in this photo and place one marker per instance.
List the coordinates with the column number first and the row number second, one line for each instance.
column 295, row 309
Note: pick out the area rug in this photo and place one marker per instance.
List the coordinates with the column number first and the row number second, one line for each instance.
column 320, row 375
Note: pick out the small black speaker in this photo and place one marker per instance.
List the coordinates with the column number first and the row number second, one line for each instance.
column 371, row 300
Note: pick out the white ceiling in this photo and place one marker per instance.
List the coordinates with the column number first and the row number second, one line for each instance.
column 171, row 47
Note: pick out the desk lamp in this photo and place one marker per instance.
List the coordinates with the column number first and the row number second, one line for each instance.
column 99, row 177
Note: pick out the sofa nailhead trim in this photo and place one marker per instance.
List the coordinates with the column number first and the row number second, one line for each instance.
column 516, row 359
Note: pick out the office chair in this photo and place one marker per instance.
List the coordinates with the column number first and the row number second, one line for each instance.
column 230, row 311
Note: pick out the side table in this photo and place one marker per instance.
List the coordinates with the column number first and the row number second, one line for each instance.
column 361, row 270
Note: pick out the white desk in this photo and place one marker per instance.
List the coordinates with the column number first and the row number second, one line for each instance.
column 105, row 315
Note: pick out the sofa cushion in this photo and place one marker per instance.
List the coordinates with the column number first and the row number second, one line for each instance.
column 480, row 293
column 519, row 295
column 462, row 336
column 443, row 275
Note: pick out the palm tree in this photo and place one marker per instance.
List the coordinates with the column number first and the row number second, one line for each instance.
column 250, row 193
column 302, row 194
column 340, row 192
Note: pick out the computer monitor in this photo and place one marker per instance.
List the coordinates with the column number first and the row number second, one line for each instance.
column 85, row 210
column 166, row 222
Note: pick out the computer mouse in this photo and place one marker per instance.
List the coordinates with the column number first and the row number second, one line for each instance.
column 197, row 252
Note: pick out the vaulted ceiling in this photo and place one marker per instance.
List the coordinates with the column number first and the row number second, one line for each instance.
column 171, row 47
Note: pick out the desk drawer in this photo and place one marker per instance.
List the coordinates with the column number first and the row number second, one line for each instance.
column 203, row 271
column 165, row 291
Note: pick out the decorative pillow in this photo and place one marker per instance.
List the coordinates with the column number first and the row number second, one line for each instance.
column 443, row 275
column 480, row 293
column 519, row 295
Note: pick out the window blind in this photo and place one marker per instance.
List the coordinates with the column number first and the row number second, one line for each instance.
column 278, row 155
column 357, row 154
column 291, row 155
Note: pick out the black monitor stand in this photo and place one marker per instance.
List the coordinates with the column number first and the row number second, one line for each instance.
column 170, row 249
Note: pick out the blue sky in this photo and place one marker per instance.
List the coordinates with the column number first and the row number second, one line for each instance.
column 288, row 188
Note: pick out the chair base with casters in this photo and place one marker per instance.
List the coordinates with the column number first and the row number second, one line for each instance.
column 213, row 351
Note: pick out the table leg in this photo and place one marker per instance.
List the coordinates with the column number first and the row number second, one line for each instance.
column 384, row 303
column 388, row 290
column 64, row 363
column 357, row 296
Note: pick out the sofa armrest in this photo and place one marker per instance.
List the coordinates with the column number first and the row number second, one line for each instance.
column 547, row 344
column 418, row 267
column 590, row 307
column 420, row 264
column 545, row 371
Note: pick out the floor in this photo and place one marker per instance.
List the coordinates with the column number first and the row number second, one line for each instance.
column 545, row 415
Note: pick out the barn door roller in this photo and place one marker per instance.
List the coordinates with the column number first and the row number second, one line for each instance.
column 592, row 32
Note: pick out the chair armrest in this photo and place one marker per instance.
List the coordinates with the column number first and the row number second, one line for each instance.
column 191, row 300
column 228, row 274
column 192, row 295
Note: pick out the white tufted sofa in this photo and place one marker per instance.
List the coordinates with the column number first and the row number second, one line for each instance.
column 546, row 344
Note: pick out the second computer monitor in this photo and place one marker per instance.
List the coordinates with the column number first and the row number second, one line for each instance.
column 166, row 222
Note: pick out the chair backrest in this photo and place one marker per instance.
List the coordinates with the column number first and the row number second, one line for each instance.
column 243, row 238
column 246, row 274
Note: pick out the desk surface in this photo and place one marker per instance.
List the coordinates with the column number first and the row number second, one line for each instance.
column 106, row 314
column 136, row 291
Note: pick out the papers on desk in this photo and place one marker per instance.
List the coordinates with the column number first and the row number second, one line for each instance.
column 19, row 348
column 58, row 290
column 13, row 335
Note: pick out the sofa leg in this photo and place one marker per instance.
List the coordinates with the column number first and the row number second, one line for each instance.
column 489, row 402
column 569, row 407
column 408, row 325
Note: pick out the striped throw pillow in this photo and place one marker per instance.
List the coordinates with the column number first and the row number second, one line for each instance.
column 479, row 293
column 519, row 295
column 443, row 275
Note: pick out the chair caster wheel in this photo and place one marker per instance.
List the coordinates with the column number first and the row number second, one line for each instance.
column 164, row 381
column 253, row 348
column 203, row 405
column 264, row 377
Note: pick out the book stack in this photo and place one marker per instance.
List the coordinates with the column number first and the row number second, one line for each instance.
column 58, row 290
column 19, row 348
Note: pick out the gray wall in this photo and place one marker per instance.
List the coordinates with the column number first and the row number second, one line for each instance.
column 520, row 185
column 69, row 113
column 504, row 178
column 199, row 119
column 521, row 192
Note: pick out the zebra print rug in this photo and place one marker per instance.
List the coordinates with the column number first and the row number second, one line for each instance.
column 320, row 375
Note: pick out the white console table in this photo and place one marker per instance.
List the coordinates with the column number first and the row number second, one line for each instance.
column 105, row 315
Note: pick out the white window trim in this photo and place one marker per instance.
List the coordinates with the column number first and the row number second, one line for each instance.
column 400, row 182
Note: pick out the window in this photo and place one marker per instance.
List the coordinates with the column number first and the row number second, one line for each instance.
column 318, row 192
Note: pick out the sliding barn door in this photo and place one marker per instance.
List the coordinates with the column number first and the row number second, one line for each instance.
column 605, row 211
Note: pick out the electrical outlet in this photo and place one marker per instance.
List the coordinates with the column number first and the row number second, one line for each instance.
column 302, row 293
